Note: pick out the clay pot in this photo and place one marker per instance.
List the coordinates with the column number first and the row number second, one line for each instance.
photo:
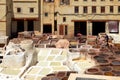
column 111, row 58
column 101, row 59
column 115, row 62
column 61, row 74
column 116, row 68
column 98, row 57
column 105, row 68
column 116, row 73
column 103, row 62
column 109, row 73
column 93, row 70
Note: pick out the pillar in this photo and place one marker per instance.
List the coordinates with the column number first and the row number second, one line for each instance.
column 106, row 28
column 119, row 27
column 89, row 28
column 41, row 16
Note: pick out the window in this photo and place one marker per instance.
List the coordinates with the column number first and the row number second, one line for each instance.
column 55, row 25
column 113, row 26
column 48, row 0
column 66, row 2
column 31, row 10
column 111, row 9
column 76, row 9
column 102, row 9
column 93, row 9
column 46, row 14
column 93, row 0
column 18, row 10
column 55, row 13
column 85, row 9
column 64, row 19
column 66, row 29
column 118, row 9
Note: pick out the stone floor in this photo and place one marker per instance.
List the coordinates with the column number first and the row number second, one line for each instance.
column 49, row 61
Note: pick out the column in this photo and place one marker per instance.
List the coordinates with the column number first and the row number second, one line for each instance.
column 119, row 27
column 106, row 28
column 14, row 26
column 41, row 16
column 89, row 28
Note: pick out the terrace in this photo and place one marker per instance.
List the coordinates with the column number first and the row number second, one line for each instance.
column 58, row 63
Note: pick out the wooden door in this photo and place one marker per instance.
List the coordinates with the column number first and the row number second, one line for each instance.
column 61, row 30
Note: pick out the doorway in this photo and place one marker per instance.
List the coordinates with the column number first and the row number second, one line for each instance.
column 98, row 27
column 20, row 26
column 30, row 25
column 47, row 28
column 80, row 27
column 61, row 29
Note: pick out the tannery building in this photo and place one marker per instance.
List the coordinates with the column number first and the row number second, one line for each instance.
column 62, row 17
